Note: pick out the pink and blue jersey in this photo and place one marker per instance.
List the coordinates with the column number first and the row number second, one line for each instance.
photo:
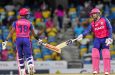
column 22, row 27
column 102, row 29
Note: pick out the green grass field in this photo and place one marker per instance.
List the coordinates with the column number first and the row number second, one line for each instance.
column 72, row 74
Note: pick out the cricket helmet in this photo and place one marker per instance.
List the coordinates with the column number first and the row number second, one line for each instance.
column 95, row 10
column 24, row 12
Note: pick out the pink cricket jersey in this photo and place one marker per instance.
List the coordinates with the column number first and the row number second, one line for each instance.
column 100, row 28
column 23, row 28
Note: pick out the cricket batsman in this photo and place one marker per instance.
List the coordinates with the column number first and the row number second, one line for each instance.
column 102, row 30
column 23, row 27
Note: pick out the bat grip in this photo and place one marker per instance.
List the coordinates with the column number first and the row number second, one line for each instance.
column 40, row 42
column 74, row 39
column 44, row 44
column 70, row 41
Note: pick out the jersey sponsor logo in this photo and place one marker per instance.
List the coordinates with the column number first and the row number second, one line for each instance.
column 98, row 28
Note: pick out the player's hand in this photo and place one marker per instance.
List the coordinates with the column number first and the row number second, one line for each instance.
column 40, row 42
column 69, row 42
column 4, row 45
column 80, row 37
column 36, row 37
column 108, row 41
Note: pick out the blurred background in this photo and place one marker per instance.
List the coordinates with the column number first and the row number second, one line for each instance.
column 58, row 21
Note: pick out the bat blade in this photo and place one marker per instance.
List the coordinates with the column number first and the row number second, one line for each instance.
column 61, row 45
column 53, row 48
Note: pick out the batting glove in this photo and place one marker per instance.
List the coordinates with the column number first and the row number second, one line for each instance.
column 4, row 45
column 80, row 37
column 108, row 41
column 40, row 42
column 69, row 42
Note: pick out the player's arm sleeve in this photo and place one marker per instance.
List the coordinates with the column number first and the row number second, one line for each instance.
column 14, row 25
column 87, row 30
column 31, row 27
column 109, row 27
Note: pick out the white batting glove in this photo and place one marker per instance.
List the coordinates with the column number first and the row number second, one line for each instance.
column 108, row 41
column 80, row 37
column 40, row 42
column 4, row 45
column 69, row 42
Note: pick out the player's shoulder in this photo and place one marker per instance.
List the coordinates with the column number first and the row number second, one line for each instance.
column 14, row 22
column 92, row 22
column 105, row 18
column 28, row 21
column 25, row 20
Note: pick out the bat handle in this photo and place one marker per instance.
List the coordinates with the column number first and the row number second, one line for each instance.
column 70, row 41
column 74, row 39
column 44, row 44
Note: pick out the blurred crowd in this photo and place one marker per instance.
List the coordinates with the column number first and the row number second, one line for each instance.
column 50, row 22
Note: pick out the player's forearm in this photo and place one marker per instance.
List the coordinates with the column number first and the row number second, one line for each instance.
column 87, row 30
column 110, row 30
column 110, row 33
column 109, row 27
column 35, row 35
column 85, row 33
column 9, row 36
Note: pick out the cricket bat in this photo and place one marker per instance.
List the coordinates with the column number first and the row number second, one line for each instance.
column 51, row 47
column 64, row 44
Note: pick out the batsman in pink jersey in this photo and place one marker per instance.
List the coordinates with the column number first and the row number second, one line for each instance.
column 23, row 27
column 102, row 30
